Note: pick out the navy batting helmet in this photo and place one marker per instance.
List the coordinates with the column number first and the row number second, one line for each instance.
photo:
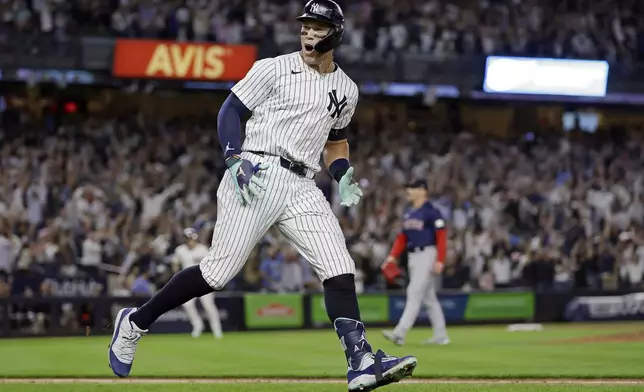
column 329, row 12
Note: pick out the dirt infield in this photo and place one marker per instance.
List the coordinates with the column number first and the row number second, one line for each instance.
column 624, row 337
column 312, row 381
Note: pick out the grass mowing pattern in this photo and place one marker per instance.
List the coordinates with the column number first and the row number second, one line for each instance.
column 481, row 352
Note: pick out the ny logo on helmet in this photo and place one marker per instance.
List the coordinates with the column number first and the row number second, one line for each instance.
column 336, row 106
column 319, row 9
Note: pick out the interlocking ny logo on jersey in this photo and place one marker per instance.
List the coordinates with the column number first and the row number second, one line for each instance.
column 335, row 107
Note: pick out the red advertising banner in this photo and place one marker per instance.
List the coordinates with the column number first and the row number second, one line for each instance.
column 182, row 60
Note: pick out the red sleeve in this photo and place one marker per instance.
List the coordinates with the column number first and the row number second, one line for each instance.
column 399, row 245
column 441, row 245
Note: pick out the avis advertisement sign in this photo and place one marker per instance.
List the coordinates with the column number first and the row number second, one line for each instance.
column 179, row 60
column 618, row 307
column 274, row 310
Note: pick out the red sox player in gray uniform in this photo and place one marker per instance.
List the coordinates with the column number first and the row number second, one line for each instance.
column 424, row 237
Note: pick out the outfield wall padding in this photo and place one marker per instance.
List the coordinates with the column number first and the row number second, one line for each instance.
column 78, row 315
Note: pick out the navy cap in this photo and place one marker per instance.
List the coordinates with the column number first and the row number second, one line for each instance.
column 417, row 184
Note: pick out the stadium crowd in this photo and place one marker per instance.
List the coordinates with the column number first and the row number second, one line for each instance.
column 111, row 198
column 602, row 29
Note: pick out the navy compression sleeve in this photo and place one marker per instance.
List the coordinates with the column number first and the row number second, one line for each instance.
column 229, row 124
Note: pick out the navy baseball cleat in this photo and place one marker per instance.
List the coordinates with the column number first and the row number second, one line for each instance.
column 368, row 371
column 124, row 340
column 379, row 370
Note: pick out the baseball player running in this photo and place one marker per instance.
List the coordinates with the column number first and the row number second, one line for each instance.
column 301, row 105
column 186, row 255
column 425, row 238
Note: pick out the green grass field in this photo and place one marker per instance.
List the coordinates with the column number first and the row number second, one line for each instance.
column 475, row 352
column 314, row 388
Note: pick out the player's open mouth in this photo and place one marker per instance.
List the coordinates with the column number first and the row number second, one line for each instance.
column 308, row 48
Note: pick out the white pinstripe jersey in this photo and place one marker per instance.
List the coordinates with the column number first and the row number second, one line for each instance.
column 294, row 107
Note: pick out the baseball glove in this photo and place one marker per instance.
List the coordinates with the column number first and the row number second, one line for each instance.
column 391, row 272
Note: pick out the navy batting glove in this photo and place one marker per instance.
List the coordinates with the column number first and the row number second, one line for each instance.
column 243, row 173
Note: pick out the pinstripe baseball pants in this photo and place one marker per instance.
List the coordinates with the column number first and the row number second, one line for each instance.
column 295, row 206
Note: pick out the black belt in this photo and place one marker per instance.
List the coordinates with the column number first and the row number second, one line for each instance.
column 417, row 249
column 295, row 167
